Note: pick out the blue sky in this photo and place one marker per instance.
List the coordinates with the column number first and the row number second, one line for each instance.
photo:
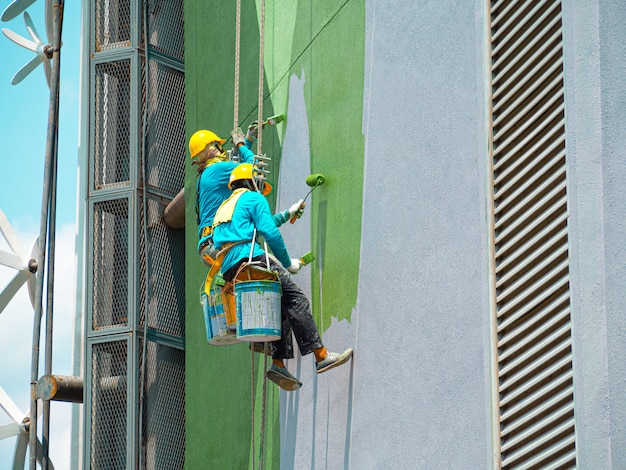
column 24, row 117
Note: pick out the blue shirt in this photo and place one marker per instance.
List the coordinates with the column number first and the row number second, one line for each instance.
column 213, row 189
column 251, row 210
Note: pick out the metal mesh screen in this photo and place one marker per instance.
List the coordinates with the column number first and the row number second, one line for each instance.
column 165, row 129
column 166, row 27
column 109, row 402
column 165, row 272
column 535, row 378
column 110, row 264
column 112, row 24
column 164, row 417
column 112, row 124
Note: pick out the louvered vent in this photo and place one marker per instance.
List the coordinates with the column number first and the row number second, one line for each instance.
column 534, row 354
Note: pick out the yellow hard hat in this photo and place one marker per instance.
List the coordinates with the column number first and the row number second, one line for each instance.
column 245, row 171
column 200, row 139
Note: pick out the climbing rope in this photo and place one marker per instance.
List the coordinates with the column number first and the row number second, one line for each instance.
column 237, row 54
column 261, row 69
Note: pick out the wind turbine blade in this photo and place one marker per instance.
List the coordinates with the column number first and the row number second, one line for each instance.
column 19, row 40
column 26, row 69
column 19, row 458
column 9, row 407
column 10, row 237
column 11, row 289
column 30, row 27
column 49, row 15
column 11, row 260
column 15, row 8
column 9, row 430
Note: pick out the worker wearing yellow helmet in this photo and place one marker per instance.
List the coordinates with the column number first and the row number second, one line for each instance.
column 235, row 223
column 207, row 152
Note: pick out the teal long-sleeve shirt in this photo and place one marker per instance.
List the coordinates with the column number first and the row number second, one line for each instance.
column 212, row 188
column 251, row 210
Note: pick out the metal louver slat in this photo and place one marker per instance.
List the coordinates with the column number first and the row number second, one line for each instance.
column 533, row 335
column 525, row 87
column 530, row 261
column 503, row 151
column 539, row 457
column 518, row 171
column 535, row 305
column 528, row 418
column 540, row 395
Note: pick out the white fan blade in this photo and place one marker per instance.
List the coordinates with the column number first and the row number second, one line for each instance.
column 32, row 278
column 19, row 40
column 15, row 8
column 10, row 237
column 9, row 407
column 22, row 73
column 9, row 430
column 19, row 458
column 11, row 261
column 11, row 289
column 49, row 14
column 30, row 27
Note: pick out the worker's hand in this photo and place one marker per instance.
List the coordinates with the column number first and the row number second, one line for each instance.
column 295, row 266
column 297, row 209
column 253, row 131
column 237, row 136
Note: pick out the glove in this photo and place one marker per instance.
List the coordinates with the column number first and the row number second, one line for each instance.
column 237, row 137
column 253, row 131
column 297, row 209
column 295, row 266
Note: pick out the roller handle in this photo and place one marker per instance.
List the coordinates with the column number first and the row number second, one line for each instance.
column 295, row 216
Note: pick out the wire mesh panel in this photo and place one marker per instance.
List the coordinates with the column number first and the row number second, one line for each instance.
column 112, row 129
column 165, row 128
column 166, row 27
column 109, row 401
column 112, row 24
column 110, row 264
column 165, row 273
column 533, row 324
column 164, row 417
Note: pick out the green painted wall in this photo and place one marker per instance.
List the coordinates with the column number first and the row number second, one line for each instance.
column 325, row 41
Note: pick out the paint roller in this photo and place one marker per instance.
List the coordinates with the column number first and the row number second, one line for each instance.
column 313, row 181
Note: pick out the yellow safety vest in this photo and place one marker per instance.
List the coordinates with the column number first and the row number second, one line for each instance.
column 225, row 211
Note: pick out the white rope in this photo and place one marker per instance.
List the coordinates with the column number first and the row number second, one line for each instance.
column 237, row 54
column 261, row 59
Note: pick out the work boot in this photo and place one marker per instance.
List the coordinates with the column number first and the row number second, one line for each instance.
column 281, row 377
column 333, row 360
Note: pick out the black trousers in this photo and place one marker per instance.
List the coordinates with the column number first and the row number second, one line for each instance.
column 295, row 311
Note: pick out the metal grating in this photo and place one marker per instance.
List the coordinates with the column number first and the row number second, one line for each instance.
column 112, row 124
column 165, row 272
column 112, row 24
column 534, row 355
column 164, row 417
column 165, row 129
column 110, row 264
column 166, row 27
column 109, row 406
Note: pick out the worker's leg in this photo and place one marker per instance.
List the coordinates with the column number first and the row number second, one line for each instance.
column 296, row 317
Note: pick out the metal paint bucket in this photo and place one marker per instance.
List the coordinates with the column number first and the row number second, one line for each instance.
column 217, row 330
column 258, row 310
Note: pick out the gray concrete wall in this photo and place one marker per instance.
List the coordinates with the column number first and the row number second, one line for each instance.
column 595, row 54
column 417, row 393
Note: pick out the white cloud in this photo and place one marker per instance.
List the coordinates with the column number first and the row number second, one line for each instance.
column 16, row 332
